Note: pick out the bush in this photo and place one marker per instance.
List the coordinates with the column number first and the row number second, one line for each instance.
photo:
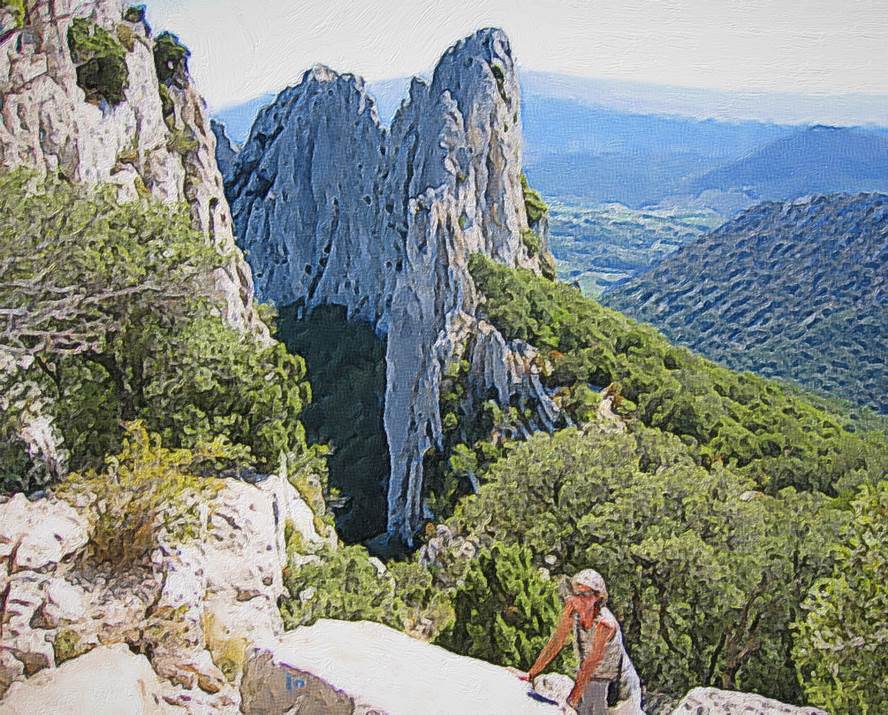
column 505, row 610
column 841, row 644
column 534, row 204
column 342, row 583
column 705, row 574
column 17, row 8
column 100, row 58
column 144, row 494
column 732, row 418
column 138, row 335
column 171, row 60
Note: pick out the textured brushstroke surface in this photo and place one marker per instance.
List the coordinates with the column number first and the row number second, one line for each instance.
column 795, row 290
column 47, row 124
column 331, row 208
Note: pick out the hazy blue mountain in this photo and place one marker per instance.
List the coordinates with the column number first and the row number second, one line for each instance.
column 598, row 142
column 796, row 290
column 817, row 160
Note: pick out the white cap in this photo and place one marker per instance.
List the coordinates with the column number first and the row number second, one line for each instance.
column 590, row 578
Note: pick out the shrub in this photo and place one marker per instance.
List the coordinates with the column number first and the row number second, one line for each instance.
column 732, row 418
column 100, row 58
column 841, row 644
column 134, row 13
column 68, row 645
column 532, row 242
column 705, row 574
column 171, row 60
column 138, row 335
column 182, row 141
column 342, row 583
column 534, row 204
column 17, row 8
column 505, row 609
column 145, row 493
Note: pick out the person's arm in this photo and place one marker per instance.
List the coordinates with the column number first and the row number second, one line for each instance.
column 555, row 644
column 603, row 633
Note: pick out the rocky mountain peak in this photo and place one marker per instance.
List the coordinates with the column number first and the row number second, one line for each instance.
column 333, row 208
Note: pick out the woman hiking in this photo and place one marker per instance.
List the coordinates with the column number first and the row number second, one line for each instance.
column 598, row 640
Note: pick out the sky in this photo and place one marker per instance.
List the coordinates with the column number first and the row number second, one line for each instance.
column 819, row 48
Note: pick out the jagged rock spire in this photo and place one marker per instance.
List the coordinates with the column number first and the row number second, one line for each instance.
column 332, row 207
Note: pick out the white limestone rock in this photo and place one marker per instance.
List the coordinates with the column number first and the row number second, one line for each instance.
column 338, row 667
column 47, row 124
column 41, row 532
column 106, row 681
column 332, row 208
column 712, row 701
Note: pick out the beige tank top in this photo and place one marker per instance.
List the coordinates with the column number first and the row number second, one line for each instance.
column 609, row 667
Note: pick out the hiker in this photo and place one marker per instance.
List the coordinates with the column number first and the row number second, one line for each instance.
column 606, row 674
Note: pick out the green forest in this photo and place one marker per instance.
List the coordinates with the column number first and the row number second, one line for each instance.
column 741, row 528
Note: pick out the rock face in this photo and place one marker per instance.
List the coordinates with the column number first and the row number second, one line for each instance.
column 332, row 208
column 195, row 608
column 226, row 149
column 107, row 681
column 727, row 702
column 342, row 668
column 140, row 145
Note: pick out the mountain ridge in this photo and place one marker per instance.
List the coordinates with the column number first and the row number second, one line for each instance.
column 793, row 289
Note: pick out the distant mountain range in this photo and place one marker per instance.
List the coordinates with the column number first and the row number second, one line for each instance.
column 603, row 142
column 796, row 290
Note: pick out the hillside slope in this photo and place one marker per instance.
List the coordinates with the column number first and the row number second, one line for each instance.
column 792, row 290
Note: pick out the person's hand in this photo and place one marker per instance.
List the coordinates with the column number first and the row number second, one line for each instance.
column 525, row 677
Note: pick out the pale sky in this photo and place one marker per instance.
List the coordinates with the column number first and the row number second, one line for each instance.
column 818, row 47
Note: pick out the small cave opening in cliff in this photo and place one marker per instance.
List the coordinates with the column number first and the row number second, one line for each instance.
column 345, row 363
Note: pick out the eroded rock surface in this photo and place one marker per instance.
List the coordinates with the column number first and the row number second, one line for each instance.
column 338, row 667
column 709, row 701
column 195, row 609
column 333, row 208
column 138, row 145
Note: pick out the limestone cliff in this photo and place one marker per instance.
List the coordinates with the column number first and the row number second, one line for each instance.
column 332, row 207
column 149, row 136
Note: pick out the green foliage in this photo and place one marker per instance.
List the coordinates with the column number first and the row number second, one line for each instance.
column 704, row 573
column 532, row 242
column 167, row 107
column 138, row 334
column 534, row 204
column 144, row 493
column 18, row 10
column 505, row 609
column 171, row 60
column 100, row 58
column 182, row 141
column 770, row 292
column 344, row 584
column 841, row 643
column 135, row 13
column 732, row 418
column 346, row 368
column 68, row 645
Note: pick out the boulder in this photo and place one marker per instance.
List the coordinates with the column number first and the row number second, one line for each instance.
column 363, row 667
column 709, row 701
column 106, row 681
column 40, row 532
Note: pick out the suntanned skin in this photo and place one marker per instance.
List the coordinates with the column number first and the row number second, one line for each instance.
column 587, row 605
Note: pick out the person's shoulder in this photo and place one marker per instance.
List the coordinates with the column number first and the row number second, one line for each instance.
column 605, row 616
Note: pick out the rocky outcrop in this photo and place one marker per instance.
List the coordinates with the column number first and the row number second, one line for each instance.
column 701, row 701
column 343, row 668
column 226, row 149
column 195, row 609
column 333, row 208
column 107, row 681
column 143, row 144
